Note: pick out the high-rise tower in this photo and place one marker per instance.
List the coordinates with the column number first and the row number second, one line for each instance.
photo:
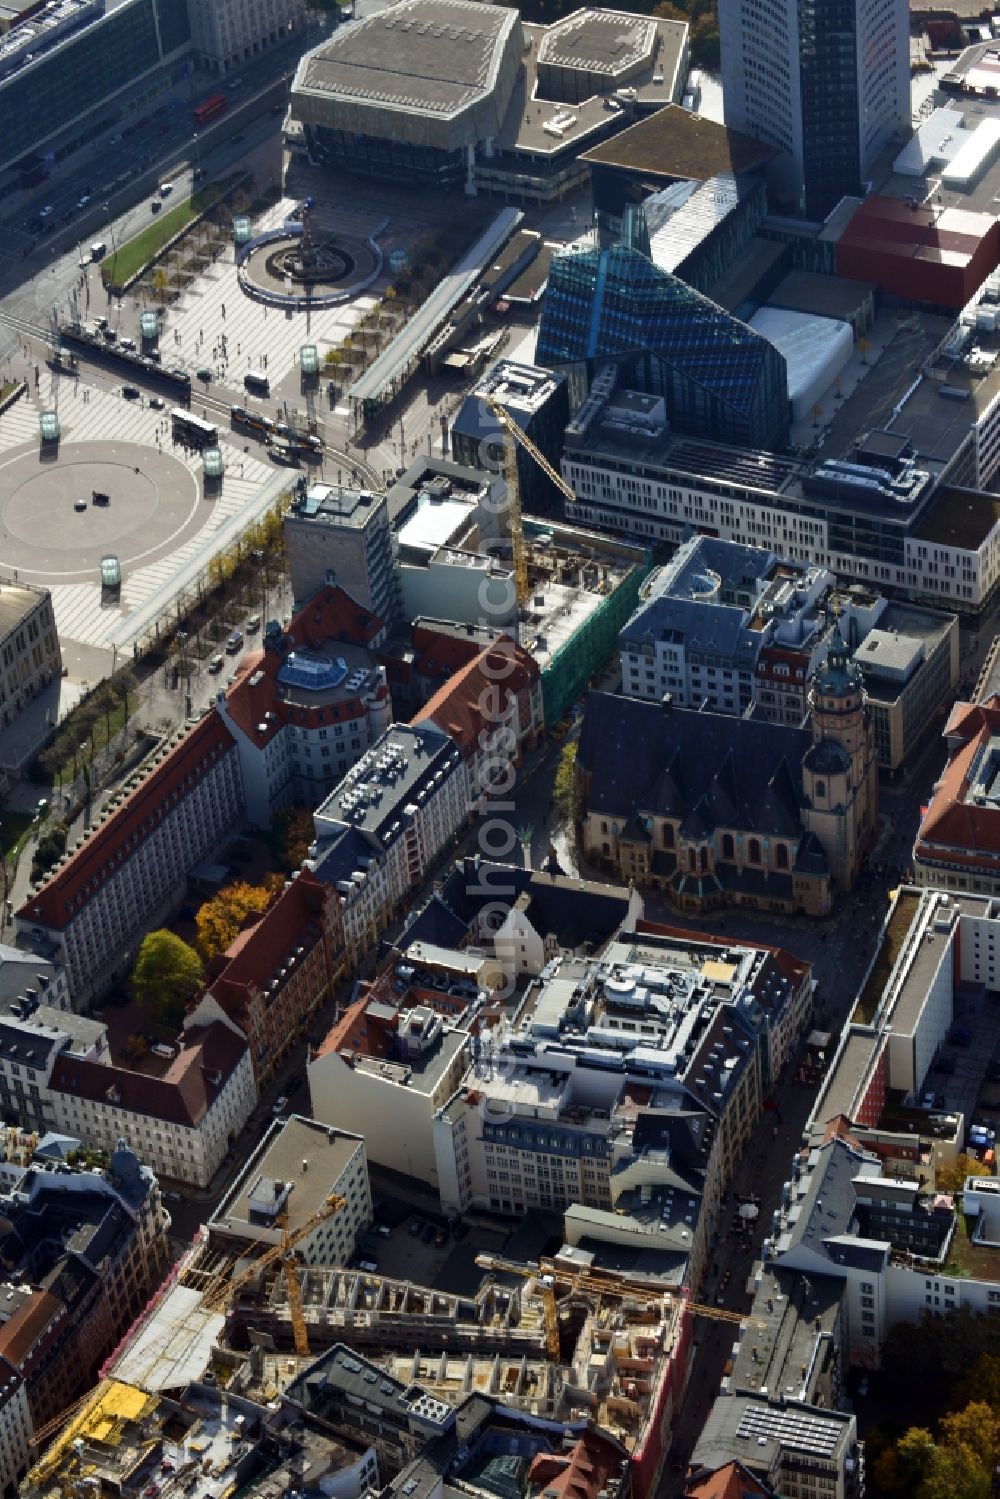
column 827, row 82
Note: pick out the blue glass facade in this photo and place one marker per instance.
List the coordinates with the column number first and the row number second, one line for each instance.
column 63, row 85
column 718, row 377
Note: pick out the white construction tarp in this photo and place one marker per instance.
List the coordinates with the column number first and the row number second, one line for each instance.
column 815, row 349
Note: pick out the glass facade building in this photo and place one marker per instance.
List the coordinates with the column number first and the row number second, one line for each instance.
column 718, row 377
column 78, row 74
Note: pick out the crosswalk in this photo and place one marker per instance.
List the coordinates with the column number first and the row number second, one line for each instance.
column 18, row 425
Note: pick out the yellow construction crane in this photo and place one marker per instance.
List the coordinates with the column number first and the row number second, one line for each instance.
column 218, row 1296
column 515, row 521
column 550, row 1275
column 50, row 1428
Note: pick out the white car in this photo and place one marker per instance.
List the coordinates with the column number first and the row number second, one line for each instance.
column 46, row 211
column 82, row 201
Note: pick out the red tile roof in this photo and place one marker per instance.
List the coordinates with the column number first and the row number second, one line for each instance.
column 732, row 1481
column 20, row 1333
column 331, row 615
column 127, row 825
column 969, row 833
column 183, row 1095
column 579, row 1473
column 461, row 707
column 440, row 652
column 257, row 952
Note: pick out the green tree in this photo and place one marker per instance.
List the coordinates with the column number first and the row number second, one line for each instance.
column 914, row 1455
column 950, row 1177
column 221, row 919
column 166, row 975
column 974, row 1430
column 50, row 846
column 982, row 1382
column 292, row 831
column 565, row 791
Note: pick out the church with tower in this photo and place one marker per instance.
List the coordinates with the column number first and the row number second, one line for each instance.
column 716, row 810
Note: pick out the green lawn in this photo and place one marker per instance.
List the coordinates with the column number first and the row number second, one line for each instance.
column 106, row 726
column 135, row 253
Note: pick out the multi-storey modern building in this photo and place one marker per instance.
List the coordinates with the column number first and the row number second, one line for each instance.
column 298, row 1165
column 449, row 95
column 795, row 1449
column 225, row 36
column 307, row 706
column 64, row 62
column 879, row 518
column 341, row 536
column 716, row 377
column 380, row 830
column 538, row 400
column 94, row 907
column 182, row 1121
column 827, row 85
column 635, row 1075
column 388, row 1070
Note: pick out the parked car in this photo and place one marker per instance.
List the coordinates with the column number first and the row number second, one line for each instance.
column 440, row 1238
column 216, row 664
column 234, row 642
column 416, row 1226
column 428, row 1233
column 280, row 1105
column 155, row 206
column 157, row 403
column 253, row 624
column 131, row 392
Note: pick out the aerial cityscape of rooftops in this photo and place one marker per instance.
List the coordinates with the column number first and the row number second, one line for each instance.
column 499, row 749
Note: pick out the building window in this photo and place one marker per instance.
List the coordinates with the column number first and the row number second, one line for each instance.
column 753, row 851
column 781, row 856
column 728, row 849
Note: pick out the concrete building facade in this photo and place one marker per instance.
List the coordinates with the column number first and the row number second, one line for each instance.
column 227, row 33
column 828, row 86
column 341, row 537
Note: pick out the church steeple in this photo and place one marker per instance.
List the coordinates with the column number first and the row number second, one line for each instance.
column 840, row 772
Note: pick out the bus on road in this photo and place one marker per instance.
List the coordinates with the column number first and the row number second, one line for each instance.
column 209, row 108
column 191, row 429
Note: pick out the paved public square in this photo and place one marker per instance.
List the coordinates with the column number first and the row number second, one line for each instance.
column 160, row 520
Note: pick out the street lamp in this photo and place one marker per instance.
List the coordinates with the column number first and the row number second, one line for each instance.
column 197, row 154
